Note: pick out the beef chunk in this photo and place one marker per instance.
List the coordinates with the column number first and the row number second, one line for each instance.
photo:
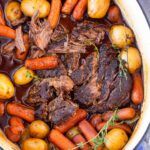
column 115, row 90
column 60, row 110
column 60, row 70
column 86, row 70
column 40, row 93
column 62, row 83
column 88, row 93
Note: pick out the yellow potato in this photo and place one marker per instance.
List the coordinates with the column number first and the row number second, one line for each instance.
column 98, row 8
column 13, row 11
column 132, row 58
column 121, row 36
column 116, row 139
column 29, row 7
column 23, row 76
column 39, row 129
column 7, row 89
column 34, row 144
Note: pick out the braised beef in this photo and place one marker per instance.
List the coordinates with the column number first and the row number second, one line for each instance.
column 40, row 32
column 86, row 70
column 8, row 49
column 60, row 109
column 19, row 21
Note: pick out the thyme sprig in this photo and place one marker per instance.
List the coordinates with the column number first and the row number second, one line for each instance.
column 90, row 43
column 29, row 75
column 99, row 139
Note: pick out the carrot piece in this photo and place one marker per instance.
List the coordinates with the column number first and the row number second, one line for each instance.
column 122, row 114
column 125, row 127
column 95, row 119
column 48, row 62
column 54, row 15
column 20, row 55
column 80, row 9
column 2, row 21
column 16, row 125
column 21, row 111
column 88, row 131
column 72, row 121
column 68, row 6
column 7, row 32
column 60, row 140
column 137, row 91
column 2, row 108
column 11, row 136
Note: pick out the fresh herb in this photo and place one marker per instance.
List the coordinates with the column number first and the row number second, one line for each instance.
column 29, row 75
column 115, row 47
column 99, row 139
column 132, row 121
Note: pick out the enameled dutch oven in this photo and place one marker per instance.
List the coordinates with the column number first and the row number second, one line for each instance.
column 136, row 19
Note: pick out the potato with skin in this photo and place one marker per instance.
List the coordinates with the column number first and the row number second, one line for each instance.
column 34, row 144
column 132, row 58
column 98, row 8
column 13, row 11
column 7, row 89
column 23, row 76
column 29, row 7
column 39, row 129
column 121, row 36
column 116, row 139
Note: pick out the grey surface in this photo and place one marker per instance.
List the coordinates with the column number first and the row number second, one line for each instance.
column 145, row 142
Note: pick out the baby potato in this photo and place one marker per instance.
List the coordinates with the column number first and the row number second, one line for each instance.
column 29, row 7
column 23, row 76
column 39, row 129
column 7, row 89
column 121, row 36
column 13, row 11
column 98, row 8
column 34, row 144
column 132, row 58
column 116, row 139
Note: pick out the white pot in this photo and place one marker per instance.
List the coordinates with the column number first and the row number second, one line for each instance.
column 137, row 21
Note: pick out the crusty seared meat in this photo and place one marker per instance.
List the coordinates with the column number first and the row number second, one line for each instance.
column 86, row 70
column 60, row 109
column 19, row 21
column 8, row 48
column 40, row 32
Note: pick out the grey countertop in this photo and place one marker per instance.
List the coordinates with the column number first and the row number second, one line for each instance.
column 145, row 142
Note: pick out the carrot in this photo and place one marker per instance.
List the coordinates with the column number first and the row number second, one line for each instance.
column 122, row 114
column 72, row 121
column 7, row 32
column 20, row 55
column 125, row 127
column 21, row 111
column 137, row 91
column 95, row 120
column 80, row 9
column 88, row 131
column 11, row 136
column 48, row 62
column 68, row 6
column 54, row 15
column 16, row 125
column 2, row 21
column 75, row 135
column 60, row 140
column 2, row 108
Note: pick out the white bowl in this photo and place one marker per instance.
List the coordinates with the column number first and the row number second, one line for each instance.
column 137, row 21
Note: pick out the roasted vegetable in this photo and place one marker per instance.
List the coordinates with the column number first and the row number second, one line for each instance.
column 95, row 119
column 60, row 140
column 23, row 76
column 34, row 144
column 98, row 8
column 2, row 20
column 38, row 129
column 7, row 89
column 116, row 139
column 2, row 108
column 132, row 58
column 121, row 36
column 13, row 10
column 137, row 91
column 29, row 7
